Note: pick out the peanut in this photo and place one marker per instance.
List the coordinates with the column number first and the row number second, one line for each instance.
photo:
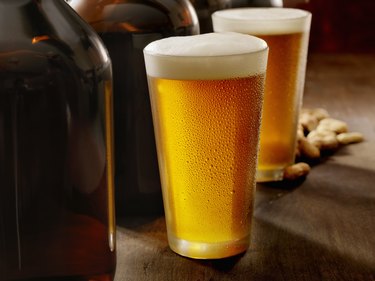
column 296, row 171
column 308, row 121
column 324, row 140
column 347, row 138
column 319, row 113
column 307, row 149
column 334, row 125
column 300, row 132
column 323, row 133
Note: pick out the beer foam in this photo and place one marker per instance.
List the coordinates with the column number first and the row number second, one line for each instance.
column 262, row 21
column 206, row 56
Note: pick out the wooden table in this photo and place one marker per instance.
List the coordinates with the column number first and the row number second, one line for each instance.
column 323, row 229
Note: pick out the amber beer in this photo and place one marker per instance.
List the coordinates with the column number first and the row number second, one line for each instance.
column 206, row 96
column 286, row 32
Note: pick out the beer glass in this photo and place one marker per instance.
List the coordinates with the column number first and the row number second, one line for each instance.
column 286, row 32
column 206, row 97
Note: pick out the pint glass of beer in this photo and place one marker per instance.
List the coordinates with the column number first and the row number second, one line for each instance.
column 286, row 32
column 206, row 97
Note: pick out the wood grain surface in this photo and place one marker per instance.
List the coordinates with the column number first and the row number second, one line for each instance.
column 321, row 229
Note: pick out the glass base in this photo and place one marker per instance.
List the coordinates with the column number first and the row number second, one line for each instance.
column 199, row 250
column 269, row 175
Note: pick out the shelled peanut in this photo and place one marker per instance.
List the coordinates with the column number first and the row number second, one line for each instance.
column 318, row 133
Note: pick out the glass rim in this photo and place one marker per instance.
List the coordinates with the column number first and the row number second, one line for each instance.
column 248, row 21
column 302, row 14
column 262, row 48
column 213, row 55
column 155, row 54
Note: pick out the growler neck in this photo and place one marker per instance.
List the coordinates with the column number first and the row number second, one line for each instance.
column 53, row 24
column 24, row 19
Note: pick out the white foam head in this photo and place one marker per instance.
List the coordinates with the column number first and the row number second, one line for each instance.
column 262, row 21
column 206, row 56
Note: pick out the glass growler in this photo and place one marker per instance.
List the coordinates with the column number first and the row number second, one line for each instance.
column 205, row 8
column 56, row 178
column 126, row 27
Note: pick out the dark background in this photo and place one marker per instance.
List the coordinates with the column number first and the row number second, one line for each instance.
column 340, row 25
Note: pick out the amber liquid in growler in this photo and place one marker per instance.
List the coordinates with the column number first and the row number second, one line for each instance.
column 56, row 178
column 126, row 27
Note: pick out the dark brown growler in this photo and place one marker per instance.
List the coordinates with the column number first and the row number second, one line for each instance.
column 56, row 189
column 205, row 8
column 126, row 27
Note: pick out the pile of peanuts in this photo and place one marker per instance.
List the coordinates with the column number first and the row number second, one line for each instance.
column 318, row 134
